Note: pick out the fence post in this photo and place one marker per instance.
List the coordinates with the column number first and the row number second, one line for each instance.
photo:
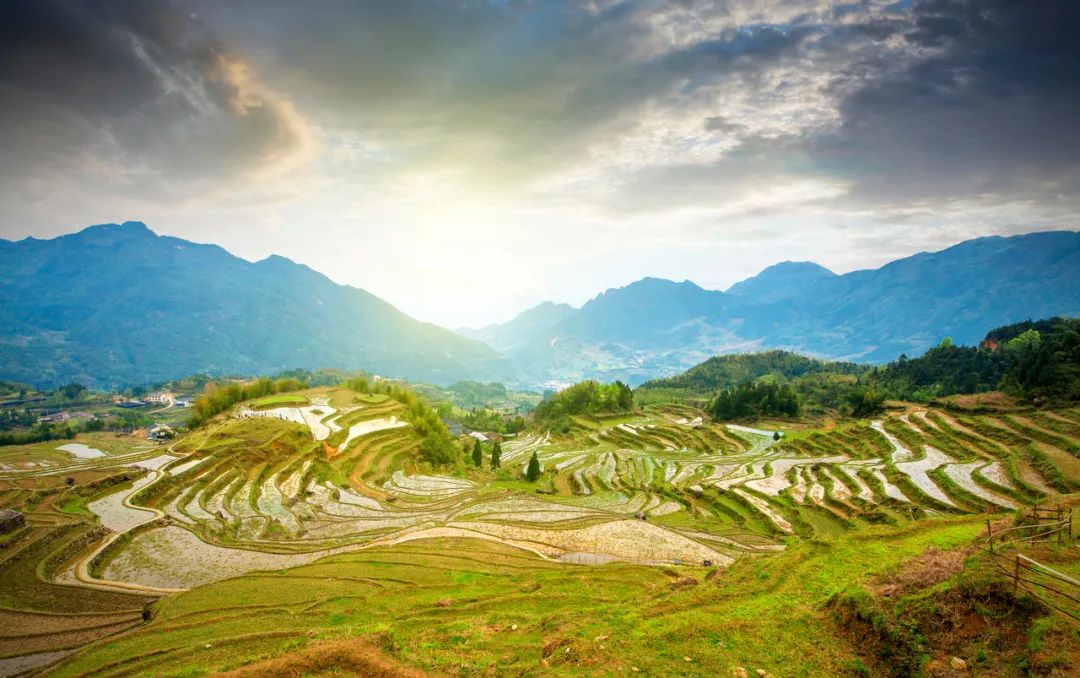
column 1016, row 575
column 989, row 536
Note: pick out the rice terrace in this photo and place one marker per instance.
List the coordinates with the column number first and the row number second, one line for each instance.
column 304, row 531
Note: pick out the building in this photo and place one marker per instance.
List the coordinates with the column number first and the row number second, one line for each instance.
column 54, row 418
column 10, row 520
column 161, row 432
column 158, row 398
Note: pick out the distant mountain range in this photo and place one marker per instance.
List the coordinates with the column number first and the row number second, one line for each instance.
column 658, row 327
column 118, row 304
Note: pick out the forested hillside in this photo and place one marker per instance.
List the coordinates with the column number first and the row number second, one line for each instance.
column 1036, row 361
column 1032, row 360
column 117, row 304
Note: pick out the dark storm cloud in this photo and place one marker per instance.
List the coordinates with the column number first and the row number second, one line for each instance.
column 942, row 101
column 988, row 103
column 135, row 93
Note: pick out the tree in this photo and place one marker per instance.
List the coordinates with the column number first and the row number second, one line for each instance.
column 477, row 454
column 864, row 402
column 496, row 456
column 776, row 435
column 754, row 399
column 533, row 471
column 72, row 391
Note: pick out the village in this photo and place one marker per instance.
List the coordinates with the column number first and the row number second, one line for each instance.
column 67, row 411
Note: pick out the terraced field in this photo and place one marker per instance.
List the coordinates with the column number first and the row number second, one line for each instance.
column 285, row 484
column 469, row 607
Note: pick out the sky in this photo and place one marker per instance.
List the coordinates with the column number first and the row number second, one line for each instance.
column 468, row 159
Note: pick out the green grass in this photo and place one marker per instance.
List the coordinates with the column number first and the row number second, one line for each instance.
column 75, row 505
column 449, row 607
column 280, row 399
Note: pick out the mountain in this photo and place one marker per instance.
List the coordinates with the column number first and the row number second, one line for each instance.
column 653, row 327
column 116, row 304
column 632, row 333
column 781, row 281
column 510, row 336
column 910, row 304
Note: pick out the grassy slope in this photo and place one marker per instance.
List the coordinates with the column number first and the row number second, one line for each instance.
column 612, row 617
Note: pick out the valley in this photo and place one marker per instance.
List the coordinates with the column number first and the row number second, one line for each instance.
column 323, row 488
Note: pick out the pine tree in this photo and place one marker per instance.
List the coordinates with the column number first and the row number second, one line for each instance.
column 496, row 456
column 533, row 471
column 477, row 454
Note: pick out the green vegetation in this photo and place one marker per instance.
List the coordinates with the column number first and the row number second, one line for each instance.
column 473, row 394
column 1032, row 360
column 865, row 402
column 473, row 607
column 1036, row 361
column 437, row 446
column 45, row 431
column 585, row 398
column 217, row 398
column 741, row 533
column 730, row 371
column 489, row 420
column 771, row 383
column 755, row 400
column 279, row 400
column 532, row 473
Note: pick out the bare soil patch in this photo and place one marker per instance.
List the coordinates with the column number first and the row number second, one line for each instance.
column 349, row 657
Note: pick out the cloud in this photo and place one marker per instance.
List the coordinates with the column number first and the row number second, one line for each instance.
column 984, row 106
column 137, row 97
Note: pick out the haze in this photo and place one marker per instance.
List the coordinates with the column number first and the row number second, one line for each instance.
column 465, row 160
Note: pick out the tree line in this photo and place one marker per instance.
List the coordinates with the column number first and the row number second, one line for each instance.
column 1034, row 360
column 584, row 398
column 217, row 398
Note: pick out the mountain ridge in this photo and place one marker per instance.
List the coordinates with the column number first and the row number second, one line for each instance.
column 117, row 303
column 868, row 315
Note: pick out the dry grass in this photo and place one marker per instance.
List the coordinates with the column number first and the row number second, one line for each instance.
column 354, row 656
column 932, row 567
column 992, row 401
